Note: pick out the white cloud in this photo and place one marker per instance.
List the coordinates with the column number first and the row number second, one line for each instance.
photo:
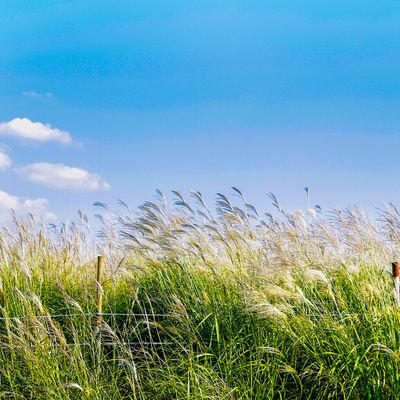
column 63, row 177
column 24, row 128
column 38, row 95
column 37, row 207
column 5, row 161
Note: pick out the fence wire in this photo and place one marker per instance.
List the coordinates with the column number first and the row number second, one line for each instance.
column 16, row 318
column 87, row 344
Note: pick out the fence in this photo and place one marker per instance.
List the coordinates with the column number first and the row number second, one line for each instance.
column 97, row 318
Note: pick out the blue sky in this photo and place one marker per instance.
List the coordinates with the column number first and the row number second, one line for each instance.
column 266, row 96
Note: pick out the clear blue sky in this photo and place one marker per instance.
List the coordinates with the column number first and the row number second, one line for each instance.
column 269, row 96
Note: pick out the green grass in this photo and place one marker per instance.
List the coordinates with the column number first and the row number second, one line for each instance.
column 248, row 310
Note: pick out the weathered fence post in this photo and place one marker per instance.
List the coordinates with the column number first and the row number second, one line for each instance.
column 99, row 314
column 99, row 282
column 396, row 278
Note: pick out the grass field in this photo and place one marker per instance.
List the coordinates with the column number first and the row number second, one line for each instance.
column 200, row 304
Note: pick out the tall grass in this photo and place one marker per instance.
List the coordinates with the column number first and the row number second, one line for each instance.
column 202, row 304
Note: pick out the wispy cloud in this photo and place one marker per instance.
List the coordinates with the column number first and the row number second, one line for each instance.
column 37, row 207
column 62, row 177
column 38, row 95
column 24, row 128
column 5, row 161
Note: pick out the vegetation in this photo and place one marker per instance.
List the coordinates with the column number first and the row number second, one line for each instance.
column 202, row 305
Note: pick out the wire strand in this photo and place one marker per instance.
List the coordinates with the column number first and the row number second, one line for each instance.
column 84, row 315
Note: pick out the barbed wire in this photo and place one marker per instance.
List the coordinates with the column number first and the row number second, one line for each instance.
column 140, row 315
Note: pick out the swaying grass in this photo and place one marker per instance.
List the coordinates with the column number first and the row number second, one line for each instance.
column 202, row 305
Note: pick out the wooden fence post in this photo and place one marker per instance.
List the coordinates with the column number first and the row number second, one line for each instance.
column 396, row 278
column 99, row 283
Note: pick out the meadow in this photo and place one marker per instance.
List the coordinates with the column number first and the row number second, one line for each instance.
column 200, row 303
